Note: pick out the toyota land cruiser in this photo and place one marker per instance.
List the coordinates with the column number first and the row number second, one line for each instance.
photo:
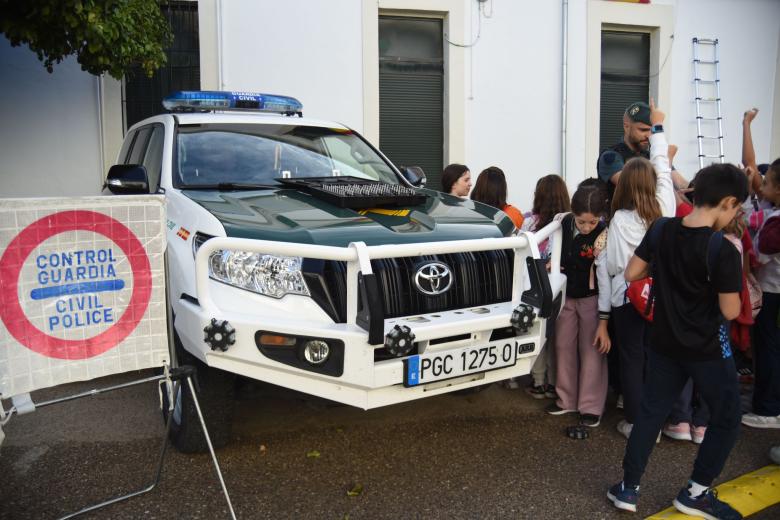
column 299, row 255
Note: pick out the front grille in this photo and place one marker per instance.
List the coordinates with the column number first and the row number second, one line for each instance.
column 480, row 278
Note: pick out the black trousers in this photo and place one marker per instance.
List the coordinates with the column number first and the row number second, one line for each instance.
column 766, row 353
column 613, row 360
column 631, row 334
column 717, row 384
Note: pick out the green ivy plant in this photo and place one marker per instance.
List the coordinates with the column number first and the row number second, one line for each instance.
column 106, row 36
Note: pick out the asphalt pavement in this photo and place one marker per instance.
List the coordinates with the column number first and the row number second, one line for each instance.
column 493, row 454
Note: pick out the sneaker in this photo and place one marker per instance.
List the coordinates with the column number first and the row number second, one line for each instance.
column 554, row 409
column 744, row 367
column 590, row 420
column 535, row 391
column 697, row 434
column 625, row 427
column 774, row 454
column 679, row 432
column 706, row 505
column 549, row 392
column 761, row 421
column 619, row 404
column 511, row 384
column 745, row 375
column 623, row 497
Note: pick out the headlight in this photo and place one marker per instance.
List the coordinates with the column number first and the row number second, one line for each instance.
column 269, row 275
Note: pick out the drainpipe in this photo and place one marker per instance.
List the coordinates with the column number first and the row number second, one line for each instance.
column 221, row 66
column 564, row 67
column 101, row 129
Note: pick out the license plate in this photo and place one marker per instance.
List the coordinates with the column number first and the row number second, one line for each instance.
column 426, row 368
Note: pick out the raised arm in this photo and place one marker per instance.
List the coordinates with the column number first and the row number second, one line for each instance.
column 659, row 150
column 748, row 153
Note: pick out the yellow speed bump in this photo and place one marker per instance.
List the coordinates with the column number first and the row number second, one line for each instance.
column 747, row 494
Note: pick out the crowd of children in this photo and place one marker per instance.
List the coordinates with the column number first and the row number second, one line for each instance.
column 712, row 250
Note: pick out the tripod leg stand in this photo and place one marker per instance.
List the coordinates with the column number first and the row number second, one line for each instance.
column 173, row 376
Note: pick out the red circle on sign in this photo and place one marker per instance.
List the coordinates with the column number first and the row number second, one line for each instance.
column 32, row 236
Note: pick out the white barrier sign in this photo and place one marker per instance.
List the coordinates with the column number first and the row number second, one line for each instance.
column 82, row 289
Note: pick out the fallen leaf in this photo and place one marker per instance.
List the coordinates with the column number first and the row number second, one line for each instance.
column 356, row 490
column 313, row 454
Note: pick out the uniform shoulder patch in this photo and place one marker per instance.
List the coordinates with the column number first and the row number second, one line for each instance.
column 608, row 157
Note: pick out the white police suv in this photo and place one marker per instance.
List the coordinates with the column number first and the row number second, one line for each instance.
column 301, row 256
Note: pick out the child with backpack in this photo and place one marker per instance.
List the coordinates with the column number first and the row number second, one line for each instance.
column 581, row 338
column 766, row 353
column 697, row 277
column 644, row 193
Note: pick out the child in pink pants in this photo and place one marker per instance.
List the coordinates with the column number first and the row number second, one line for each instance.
column 581, row 338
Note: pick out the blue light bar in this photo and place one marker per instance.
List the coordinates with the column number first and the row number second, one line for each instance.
column 205, row 101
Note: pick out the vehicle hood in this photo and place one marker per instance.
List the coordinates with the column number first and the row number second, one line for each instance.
column 288, row 215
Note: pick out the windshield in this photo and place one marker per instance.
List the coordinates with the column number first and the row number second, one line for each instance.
column 247, row 154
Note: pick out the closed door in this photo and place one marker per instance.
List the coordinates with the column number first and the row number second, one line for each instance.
column 411, row 83
column 144, row 95
column 625, row 78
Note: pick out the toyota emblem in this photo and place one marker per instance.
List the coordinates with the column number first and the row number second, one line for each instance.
column 433, row 278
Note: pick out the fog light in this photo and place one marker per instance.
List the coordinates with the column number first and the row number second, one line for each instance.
column 316, row 351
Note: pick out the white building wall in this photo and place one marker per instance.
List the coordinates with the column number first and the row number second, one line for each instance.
column 775, row 147
column 514, row 105
column 512, row 75
column 575, row 167
column 748, row 33
column 308, row 50
column 49, row 129
column 510, row 103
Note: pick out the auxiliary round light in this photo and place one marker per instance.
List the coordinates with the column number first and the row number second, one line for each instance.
column 316, row 351
column 523, row 318
column 399, row 341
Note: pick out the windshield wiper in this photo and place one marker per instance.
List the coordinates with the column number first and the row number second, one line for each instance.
column 230, row 186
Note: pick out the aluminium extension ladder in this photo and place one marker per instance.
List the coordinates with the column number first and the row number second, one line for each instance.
column 708, row 75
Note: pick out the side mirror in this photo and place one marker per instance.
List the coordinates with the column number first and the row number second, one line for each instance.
column 127, row 179
column 415, row 175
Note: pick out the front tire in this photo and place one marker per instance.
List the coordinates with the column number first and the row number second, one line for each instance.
column 216, row 392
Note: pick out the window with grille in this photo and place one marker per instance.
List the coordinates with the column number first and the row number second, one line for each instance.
column 143, row 95
column 411, row 93
column 625, row 78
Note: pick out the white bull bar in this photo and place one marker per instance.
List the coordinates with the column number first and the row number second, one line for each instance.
column 366, row 383
column 358, row 257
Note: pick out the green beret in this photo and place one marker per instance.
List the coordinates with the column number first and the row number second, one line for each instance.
column 639, row 112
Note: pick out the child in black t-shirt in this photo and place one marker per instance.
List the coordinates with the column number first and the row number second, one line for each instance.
column 697, row 281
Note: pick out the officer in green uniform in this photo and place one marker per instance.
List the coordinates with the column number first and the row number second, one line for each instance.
column 635, row 143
